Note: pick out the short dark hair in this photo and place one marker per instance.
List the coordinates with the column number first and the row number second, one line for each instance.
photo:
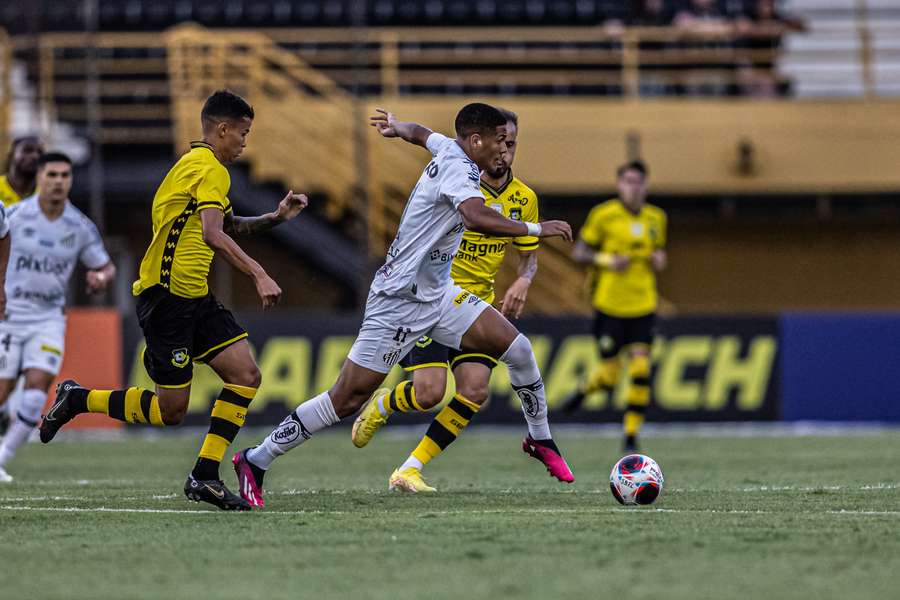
column 49, row 157
column 478, row 118
column 511, row 117
column 224, row 105
column 633, row 165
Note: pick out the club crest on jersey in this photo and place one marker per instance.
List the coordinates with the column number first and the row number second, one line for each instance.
column 391, row 357
column 515, row 214
column 68, row 241
column 180, row 357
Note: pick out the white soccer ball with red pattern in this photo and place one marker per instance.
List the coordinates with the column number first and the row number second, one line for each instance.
column 636, row 479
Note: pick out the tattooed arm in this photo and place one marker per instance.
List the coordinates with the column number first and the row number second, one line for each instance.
column 287, row 209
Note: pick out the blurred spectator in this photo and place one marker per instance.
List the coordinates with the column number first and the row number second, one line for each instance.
column 761, row 30
column 655, row 74
column 649, row 13
column 703, row 16
column 708, row 34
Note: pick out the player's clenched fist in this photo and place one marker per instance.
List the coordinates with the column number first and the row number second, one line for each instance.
column 556, row 229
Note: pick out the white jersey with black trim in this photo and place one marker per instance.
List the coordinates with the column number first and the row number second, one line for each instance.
column 42, row 258
column 419, row 259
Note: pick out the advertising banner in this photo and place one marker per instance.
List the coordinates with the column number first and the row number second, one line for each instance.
column 841, row 367
column 705, row 369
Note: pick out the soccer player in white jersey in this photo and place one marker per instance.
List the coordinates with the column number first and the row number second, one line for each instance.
column 49, row 235
column 413, row 295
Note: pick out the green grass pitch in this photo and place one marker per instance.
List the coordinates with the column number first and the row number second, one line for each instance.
column 740, row 517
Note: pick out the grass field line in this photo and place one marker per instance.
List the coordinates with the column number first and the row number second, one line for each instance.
column 508, row 491
column 447, row 513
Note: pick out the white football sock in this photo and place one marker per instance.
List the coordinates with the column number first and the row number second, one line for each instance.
column 413, row 462
column 311, row 416
column 525, row 378
column 381, row 407
column 26, row 419
column 16, row 435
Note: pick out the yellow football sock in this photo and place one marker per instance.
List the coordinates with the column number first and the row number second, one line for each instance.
column 228, row 415
column 134, row 405
column 445, row 428
column 402, row 398
column 638, row 394
column 603, row 376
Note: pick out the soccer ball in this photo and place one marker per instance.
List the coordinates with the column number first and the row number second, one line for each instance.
column 636, row 479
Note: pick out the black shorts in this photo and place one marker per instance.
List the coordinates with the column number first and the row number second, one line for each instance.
column 181, row 331
column 614, row 333
column 428, row 353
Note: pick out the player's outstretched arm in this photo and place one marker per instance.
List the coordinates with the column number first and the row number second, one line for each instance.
column 478, row 217
column 289, row 207
column 387, row 125
column 585, row 255
column 215, row 237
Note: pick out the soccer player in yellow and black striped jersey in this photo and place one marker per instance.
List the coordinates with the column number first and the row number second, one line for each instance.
column 182, row 321
column 20, row 179
column 623, row 240
column 474, row 268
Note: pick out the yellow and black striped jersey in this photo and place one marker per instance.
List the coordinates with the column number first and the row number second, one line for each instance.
column 8, row 196
column 178, row 259
column 612, row 228
column 480, row 256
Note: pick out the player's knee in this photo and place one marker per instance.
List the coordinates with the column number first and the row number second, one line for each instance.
column 172, row 416
column 248, row 376
column 429, row 392
column 477, row 393
column 519, row 352
column 172, row 413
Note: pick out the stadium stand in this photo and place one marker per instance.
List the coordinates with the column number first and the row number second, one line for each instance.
column 306, row 71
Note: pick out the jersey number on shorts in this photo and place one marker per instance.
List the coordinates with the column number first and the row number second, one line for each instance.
column 399, row 337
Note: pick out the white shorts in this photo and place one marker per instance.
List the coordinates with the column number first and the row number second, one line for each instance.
column 31, row 346
column 392, row 326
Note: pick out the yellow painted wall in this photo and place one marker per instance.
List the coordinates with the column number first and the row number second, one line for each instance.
column 573, row 146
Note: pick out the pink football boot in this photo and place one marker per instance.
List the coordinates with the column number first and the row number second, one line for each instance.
column 551, row 459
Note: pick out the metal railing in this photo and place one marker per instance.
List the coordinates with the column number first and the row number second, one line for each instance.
column 314, row 87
